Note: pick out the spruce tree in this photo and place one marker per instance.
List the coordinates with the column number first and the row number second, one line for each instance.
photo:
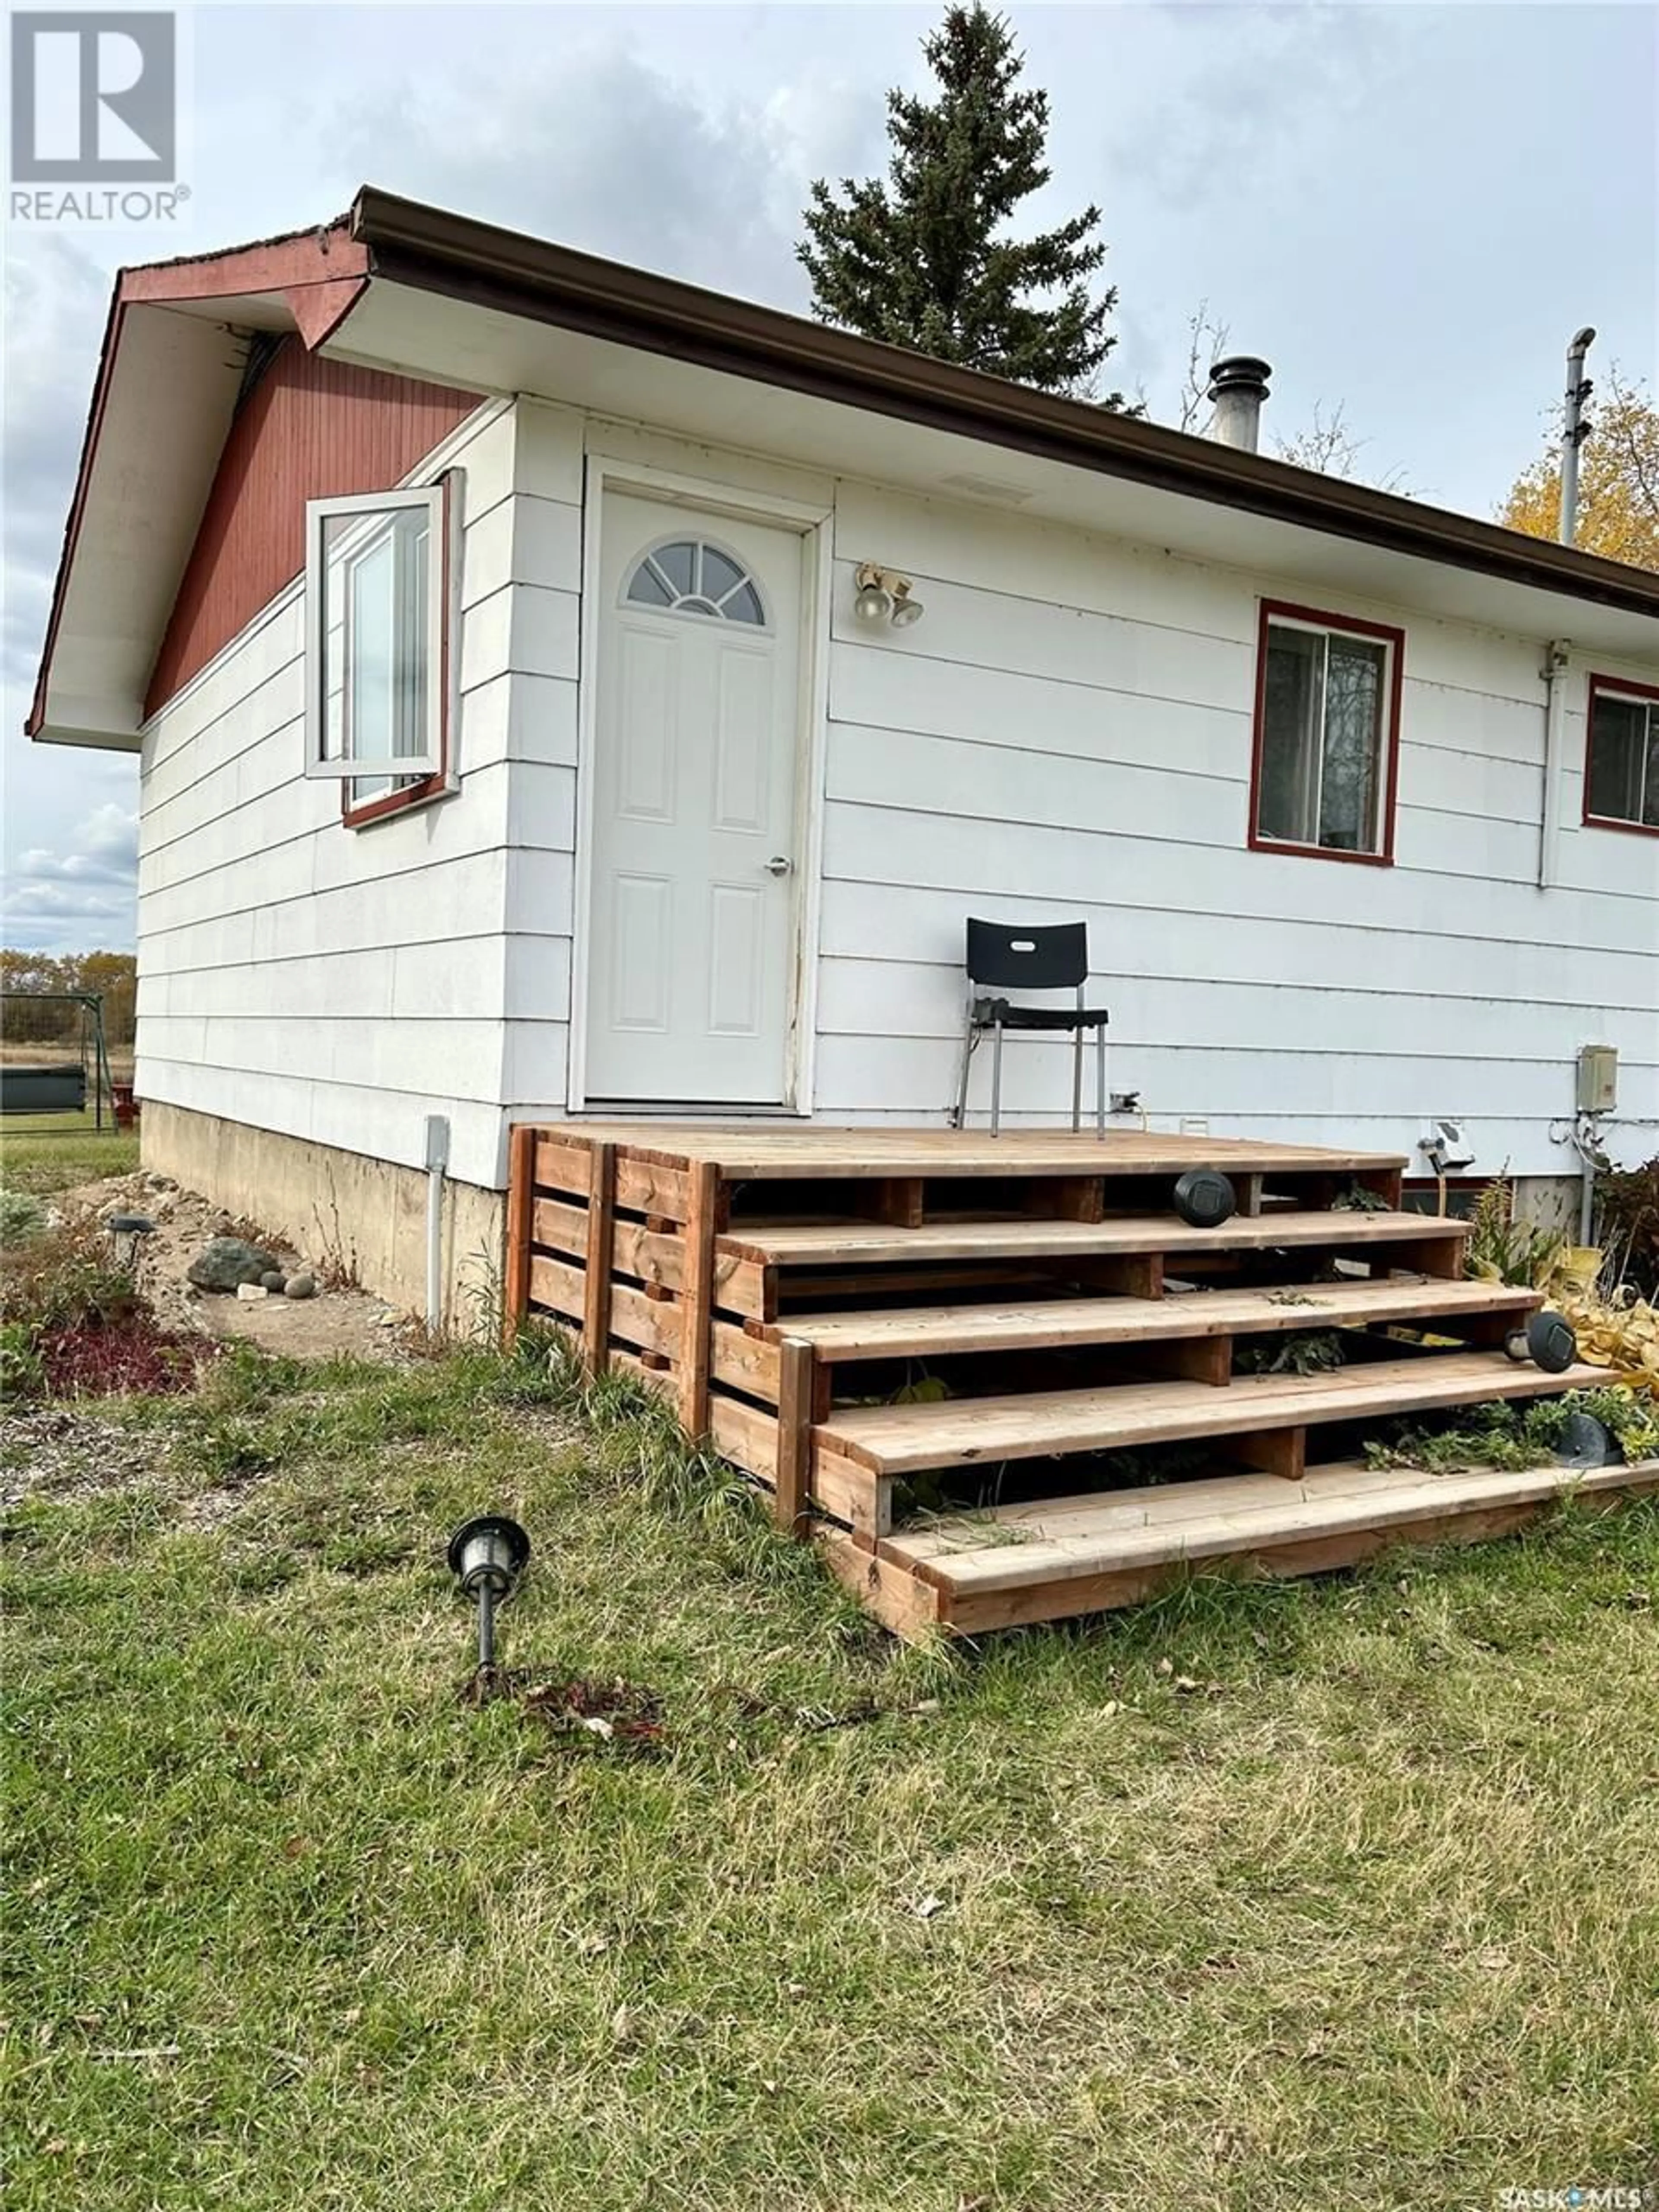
column 917, row 258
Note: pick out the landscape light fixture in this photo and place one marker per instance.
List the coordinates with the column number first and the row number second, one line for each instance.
column 487, row 1556
column 1548, row 1341
column 127, row 1232
column 1205, row 1198
column 884, row 596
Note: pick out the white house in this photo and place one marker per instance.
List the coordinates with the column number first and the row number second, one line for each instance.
column 483, row 615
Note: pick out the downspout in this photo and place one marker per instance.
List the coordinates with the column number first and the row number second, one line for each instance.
column 437, row 1160
column 1557, row 654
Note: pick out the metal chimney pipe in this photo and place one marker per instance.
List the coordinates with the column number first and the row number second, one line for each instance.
column 1238, row 385
column 1574, row 431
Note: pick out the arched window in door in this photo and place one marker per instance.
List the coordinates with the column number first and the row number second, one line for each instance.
column 689, row 576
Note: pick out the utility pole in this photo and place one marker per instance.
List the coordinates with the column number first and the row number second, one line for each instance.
column 1574, row 431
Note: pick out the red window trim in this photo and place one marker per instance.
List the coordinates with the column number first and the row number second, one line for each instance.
column 1396, row 638
column 441, row 784
column 1617, row 684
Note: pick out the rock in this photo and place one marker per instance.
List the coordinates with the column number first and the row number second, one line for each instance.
column 300, row 1286
column 224, row 1263
column 249, row 1291
column 272, row 1280
column 160, row 1182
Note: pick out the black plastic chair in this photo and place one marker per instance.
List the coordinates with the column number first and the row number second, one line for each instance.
column 1004, row 958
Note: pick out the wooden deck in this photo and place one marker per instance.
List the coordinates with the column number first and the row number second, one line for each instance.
column 790, row 1288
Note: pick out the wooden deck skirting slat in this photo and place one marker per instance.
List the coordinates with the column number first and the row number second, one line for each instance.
column 562, row 1165
column 558, row 1227
column 696, row 1298
column 791, row 1482
column 741, row 1361
column 600, row 1301
column 1041, row 1424
column 646, row 1187
column 847, row 1495
column 518, row 1231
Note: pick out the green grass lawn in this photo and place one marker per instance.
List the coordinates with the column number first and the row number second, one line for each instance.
column 45, row 1152
column 1326, row 1895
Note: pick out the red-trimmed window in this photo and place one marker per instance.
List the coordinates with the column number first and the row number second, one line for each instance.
column 1326, row 755
column 1621, row 755
column 378, row 585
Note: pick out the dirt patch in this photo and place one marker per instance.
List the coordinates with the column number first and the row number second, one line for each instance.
column 339, row 1321
column 64, row 1452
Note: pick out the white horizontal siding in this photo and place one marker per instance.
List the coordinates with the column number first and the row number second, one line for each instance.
column 1067, row 734
column 1174, row 941
column 905, row 998
column 1223, row 1084
column 339, row 984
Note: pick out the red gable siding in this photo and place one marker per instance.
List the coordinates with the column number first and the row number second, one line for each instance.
column 311, row 428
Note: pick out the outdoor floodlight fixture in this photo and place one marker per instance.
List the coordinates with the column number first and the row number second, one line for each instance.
column 487, row 1555
column 884, row 596
column 906, row 610
column 873, row 604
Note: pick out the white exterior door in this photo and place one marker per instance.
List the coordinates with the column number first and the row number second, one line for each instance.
column 693, row 875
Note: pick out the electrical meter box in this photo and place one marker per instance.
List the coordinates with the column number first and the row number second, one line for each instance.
column 1598, row 1079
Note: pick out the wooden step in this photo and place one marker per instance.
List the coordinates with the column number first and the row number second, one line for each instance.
column 909, row 1440
column 829, row 1243
column 1074, row 1555
column 941, row 1332
column 756, row 1151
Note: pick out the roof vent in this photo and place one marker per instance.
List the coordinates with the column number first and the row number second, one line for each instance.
column 1238, row 385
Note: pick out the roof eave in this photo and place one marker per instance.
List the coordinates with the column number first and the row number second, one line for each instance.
column 433, row 250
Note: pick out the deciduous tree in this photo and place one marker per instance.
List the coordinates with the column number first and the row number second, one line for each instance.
column 1618, row 481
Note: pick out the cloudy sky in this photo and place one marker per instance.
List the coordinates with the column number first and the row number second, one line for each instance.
column 1406, row 208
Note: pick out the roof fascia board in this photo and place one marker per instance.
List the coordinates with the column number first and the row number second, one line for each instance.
column 321, row 273
column 432, row 250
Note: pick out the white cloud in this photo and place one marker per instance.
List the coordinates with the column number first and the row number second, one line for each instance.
column 79, row 896
column 57, row 297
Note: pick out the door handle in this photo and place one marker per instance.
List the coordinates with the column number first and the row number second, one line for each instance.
column 779, row 865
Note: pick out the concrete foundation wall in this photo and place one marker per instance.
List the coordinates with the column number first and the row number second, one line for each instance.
column 362, row 1218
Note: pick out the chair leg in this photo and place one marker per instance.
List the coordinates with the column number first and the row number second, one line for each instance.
column 996, row 1080
column 1100, row 1082
column 1077, row 1081
column 970, row 1036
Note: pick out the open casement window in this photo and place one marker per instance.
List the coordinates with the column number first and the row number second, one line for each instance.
column 377, row 574
column 1621, row 756
column 1327, row 735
